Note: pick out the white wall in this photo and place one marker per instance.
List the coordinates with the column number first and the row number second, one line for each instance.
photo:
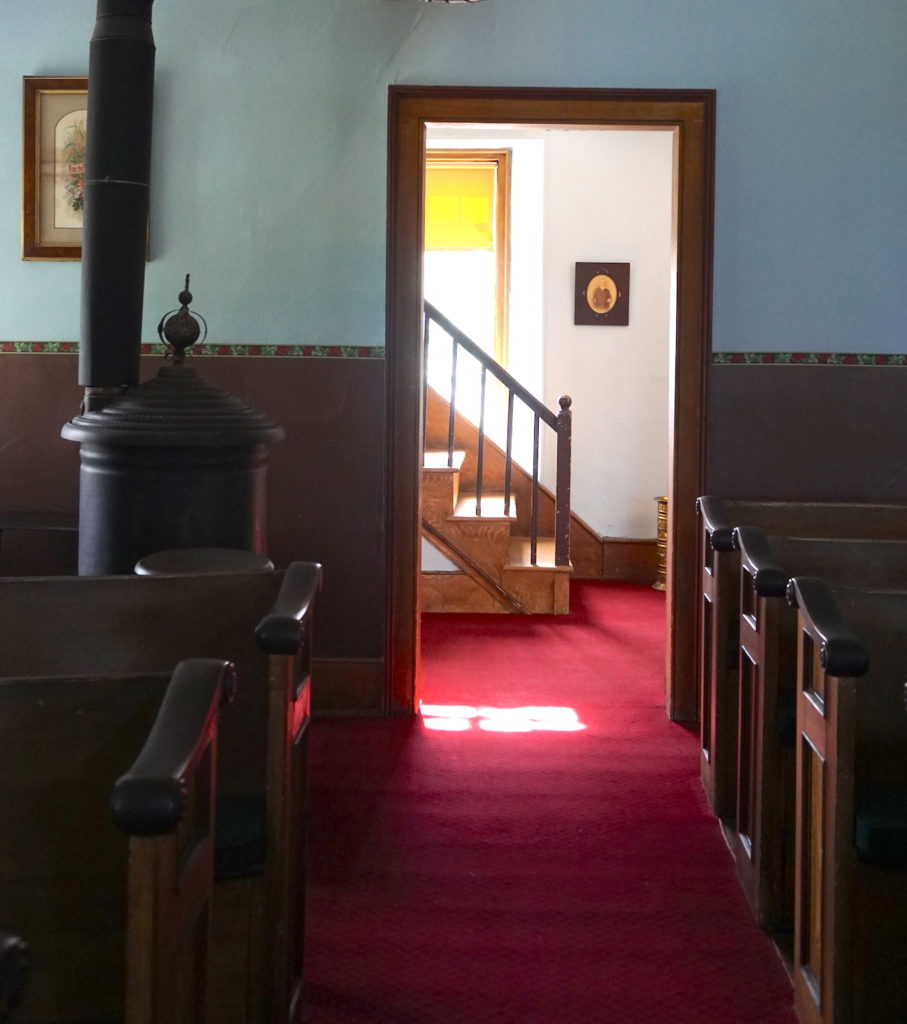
column 608, row 197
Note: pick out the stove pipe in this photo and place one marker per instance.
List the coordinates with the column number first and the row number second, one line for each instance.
column 117, row 173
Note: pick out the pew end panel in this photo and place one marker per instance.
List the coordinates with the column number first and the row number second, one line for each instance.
column 166, row 804
column 850, row 936
column 717, row 645
column 286, row 636
column 762, row 842
column 259, row 933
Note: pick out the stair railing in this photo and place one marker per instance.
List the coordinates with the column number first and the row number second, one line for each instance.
column 559, row 422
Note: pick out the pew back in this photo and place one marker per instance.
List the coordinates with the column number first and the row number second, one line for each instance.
column 120, row 625
column 763, row 838
column 718, row 620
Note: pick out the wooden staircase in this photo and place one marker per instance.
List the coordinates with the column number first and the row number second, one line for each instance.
column 499, row 558
column 494, row 570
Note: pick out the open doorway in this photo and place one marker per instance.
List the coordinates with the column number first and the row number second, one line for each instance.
column 691, row 115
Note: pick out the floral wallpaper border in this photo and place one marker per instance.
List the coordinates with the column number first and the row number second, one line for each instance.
column 379, row 352
column 808, row 359
column 296, row 351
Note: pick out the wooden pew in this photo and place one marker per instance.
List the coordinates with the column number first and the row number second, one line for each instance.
column 15, row 960
column 763, row 839
column 850, row 925
column 136, row 624
column 260, row 892
column 117, row 927
column 718, row 639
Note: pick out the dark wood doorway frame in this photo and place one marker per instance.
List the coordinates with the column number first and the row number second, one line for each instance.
column 692, row 114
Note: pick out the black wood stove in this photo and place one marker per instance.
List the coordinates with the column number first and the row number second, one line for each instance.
column 174, row 462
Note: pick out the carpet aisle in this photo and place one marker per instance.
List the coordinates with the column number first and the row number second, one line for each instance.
column 537, row 848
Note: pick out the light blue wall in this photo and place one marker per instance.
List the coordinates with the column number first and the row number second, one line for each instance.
column 270, row 150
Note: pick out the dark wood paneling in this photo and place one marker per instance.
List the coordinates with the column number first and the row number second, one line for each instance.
column 808, row 433
column 354, row 686
column 38, row 469
column 325, row 481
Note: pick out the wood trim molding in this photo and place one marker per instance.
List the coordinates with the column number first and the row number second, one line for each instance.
column 692, row 114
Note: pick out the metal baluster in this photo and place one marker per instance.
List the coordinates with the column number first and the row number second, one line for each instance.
column 560, row 422
column 508, row 460
column 481, row 454
column 534, row 520
column 453, row 403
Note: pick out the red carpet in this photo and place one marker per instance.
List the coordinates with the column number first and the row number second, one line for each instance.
column 551, row 866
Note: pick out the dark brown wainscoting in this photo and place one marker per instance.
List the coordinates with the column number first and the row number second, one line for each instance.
column 38, row 469
column 348, row 686
column 798, row 433
column 629, row 559
column 325, row 484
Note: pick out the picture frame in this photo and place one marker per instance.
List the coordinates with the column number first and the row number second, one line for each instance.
column 53, row 166
column 602, row 294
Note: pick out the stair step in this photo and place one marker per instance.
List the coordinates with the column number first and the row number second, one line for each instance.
column 520, row 553
column 438, row 460
column 492, row 508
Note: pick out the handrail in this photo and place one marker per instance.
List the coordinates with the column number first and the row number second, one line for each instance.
column 282, row 630
column 495, row 368
column 841, row 651
column 150, row 799
column 560, row 422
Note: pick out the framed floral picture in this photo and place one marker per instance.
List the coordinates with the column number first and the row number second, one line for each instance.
column 53, row 167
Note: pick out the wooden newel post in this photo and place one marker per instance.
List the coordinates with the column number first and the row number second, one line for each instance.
column 562, row 494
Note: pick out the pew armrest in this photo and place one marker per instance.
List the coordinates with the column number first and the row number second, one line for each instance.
column 716, row 522
column 14, row 965
column 841, row 651
column 281, row 631
column 150, row 799
column 758, row 557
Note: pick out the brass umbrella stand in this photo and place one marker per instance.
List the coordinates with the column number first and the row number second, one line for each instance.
column 661, row 543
